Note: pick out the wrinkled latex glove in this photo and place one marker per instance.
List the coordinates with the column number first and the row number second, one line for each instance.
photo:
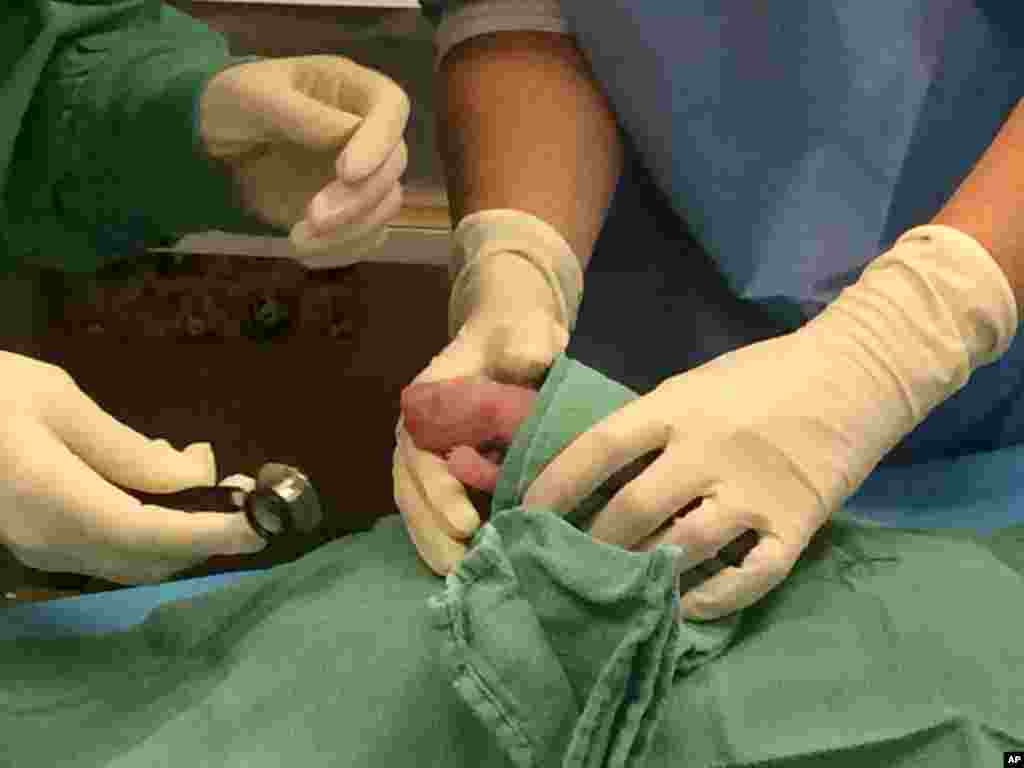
column 60, row 456
column 315, row 144
column 514, row 301
column 774, row 437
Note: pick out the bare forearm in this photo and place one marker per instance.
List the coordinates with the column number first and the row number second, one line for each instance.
column 988, row 204
column 523, row 125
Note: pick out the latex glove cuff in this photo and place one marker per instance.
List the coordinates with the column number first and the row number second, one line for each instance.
column 487, row 232
column 921, row 318
column 961, row 271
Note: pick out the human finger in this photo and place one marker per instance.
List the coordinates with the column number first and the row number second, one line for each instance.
column 340, row 203
column 646, row 502
column 340, row 254
column 703, row 532
column 438, row 550
column 381, row 104
column 117, row 527
column 381, row 129
column 348, row 245
column 119, row 453
column 451, row 508
column 307, row 121
column 736, row 587
column 597, row 454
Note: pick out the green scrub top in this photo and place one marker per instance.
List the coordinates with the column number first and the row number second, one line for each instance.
column 100, row 153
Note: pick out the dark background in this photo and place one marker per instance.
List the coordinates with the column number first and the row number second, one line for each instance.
column 321, row 395
column 175, row 348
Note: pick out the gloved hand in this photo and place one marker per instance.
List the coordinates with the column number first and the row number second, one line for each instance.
column 58, row 450
column 513, row 304
column 774, row 437
column 315, row 144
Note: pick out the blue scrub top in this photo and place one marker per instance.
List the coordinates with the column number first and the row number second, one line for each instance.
column 800, row 138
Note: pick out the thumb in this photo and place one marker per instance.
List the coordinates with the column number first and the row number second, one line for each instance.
column 310, row 122
column 377, row 136
column 370, row 100
column 522, row 352
column 122, row 455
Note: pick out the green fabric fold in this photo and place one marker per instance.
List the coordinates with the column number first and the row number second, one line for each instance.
column 584, row 679
column 883, row 647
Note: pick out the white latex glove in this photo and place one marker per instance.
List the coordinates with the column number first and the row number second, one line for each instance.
column 774, row 437
column 315, row 143
column 514, row 301
column 58, row 450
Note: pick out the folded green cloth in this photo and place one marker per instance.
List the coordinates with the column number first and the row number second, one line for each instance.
column 565, row 647
column 545, row 648
column 583, row 678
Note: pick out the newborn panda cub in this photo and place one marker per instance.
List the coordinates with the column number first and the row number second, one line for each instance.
column 471, row 421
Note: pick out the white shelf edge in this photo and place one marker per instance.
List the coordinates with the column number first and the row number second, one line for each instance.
column 340, row 3
column 405, row 245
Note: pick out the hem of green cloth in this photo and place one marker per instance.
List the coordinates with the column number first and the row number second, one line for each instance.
column 469, row 672
column 622, row 711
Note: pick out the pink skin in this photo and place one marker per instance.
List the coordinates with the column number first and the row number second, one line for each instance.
column 461, row 419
